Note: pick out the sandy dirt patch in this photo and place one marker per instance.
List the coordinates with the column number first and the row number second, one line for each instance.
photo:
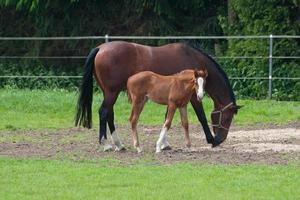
column 264, row 146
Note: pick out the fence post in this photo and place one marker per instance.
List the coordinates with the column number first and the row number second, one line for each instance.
column 106, row 38
column 270, row 66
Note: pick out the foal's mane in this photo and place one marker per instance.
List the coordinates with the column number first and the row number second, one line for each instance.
column 195, row 45
column 182, row 73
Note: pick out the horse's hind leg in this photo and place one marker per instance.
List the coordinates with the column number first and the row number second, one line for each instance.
column 185, row 125
column 162, row 143
column 102, row 127
column 106, row 115
column 115, row 137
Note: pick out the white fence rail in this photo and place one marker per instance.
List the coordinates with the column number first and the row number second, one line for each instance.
column 107, row 38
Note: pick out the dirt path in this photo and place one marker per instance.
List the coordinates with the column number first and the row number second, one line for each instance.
column 266, row 146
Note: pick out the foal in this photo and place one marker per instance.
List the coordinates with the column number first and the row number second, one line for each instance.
column 174, row 91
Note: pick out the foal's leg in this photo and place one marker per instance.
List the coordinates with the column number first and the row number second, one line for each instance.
column 185, row 125
column 165, row 144
column 137, row 107
column 166, row 127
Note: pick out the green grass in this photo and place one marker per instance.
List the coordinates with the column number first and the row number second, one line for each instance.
column 25, row 109
column 107, row 179
column 43, row 179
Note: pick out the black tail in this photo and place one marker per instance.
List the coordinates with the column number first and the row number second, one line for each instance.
column 85, row 100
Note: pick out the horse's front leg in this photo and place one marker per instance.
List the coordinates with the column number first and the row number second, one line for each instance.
column 165, row 144
column 198, row 108
column 162, row 143
column 133, row 121
column 185, row 125
column 135, row 113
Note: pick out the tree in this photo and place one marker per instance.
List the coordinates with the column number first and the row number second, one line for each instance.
column 277, row 17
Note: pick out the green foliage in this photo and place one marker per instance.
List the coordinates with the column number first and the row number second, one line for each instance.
column 155, row 17
column 74, row 17
column 263, row 18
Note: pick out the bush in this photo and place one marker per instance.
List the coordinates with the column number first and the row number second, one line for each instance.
column 38, row 69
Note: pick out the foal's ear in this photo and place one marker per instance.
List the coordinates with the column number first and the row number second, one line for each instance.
column 203, row 73
column 196, row 73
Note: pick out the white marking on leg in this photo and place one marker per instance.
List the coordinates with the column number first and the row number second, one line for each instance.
column 165, row 144
column 200, row 91
column 161, row 138
column 116, row 140
column 106, row 145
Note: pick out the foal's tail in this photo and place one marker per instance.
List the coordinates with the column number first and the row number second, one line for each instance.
column 84, row 103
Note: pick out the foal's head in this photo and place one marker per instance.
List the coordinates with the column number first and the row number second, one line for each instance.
column 200, row 80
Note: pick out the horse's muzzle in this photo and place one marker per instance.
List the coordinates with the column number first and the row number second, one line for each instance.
column 219, row 139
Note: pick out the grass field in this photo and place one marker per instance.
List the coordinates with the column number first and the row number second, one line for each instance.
column 25, row 109
column 22, row 178
column 44, row 179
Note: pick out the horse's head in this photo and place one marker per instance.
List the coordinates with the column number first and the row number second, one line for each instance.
column 200, row 79
column 221, row 120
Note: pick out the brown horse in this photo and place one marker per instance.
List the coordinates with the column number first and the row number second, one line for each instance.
column 113, row 63
column 175, row 91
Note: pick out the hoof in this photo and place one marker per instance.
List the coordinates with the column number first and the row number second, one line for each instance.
column 215, row 144
column 210, row 140
column 121, row 148
column 165, row 148
column 158, row 151
column 217, row 141
column 139, row 149
column 188, row 145
column 118, row 145
column 107, row 147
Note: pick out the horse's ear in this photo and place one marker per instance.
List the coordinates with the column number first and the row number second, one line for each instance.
column 238, row 107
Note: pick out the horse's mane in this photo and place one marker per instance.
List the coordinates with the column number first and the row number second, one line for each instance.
column 196, row 45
